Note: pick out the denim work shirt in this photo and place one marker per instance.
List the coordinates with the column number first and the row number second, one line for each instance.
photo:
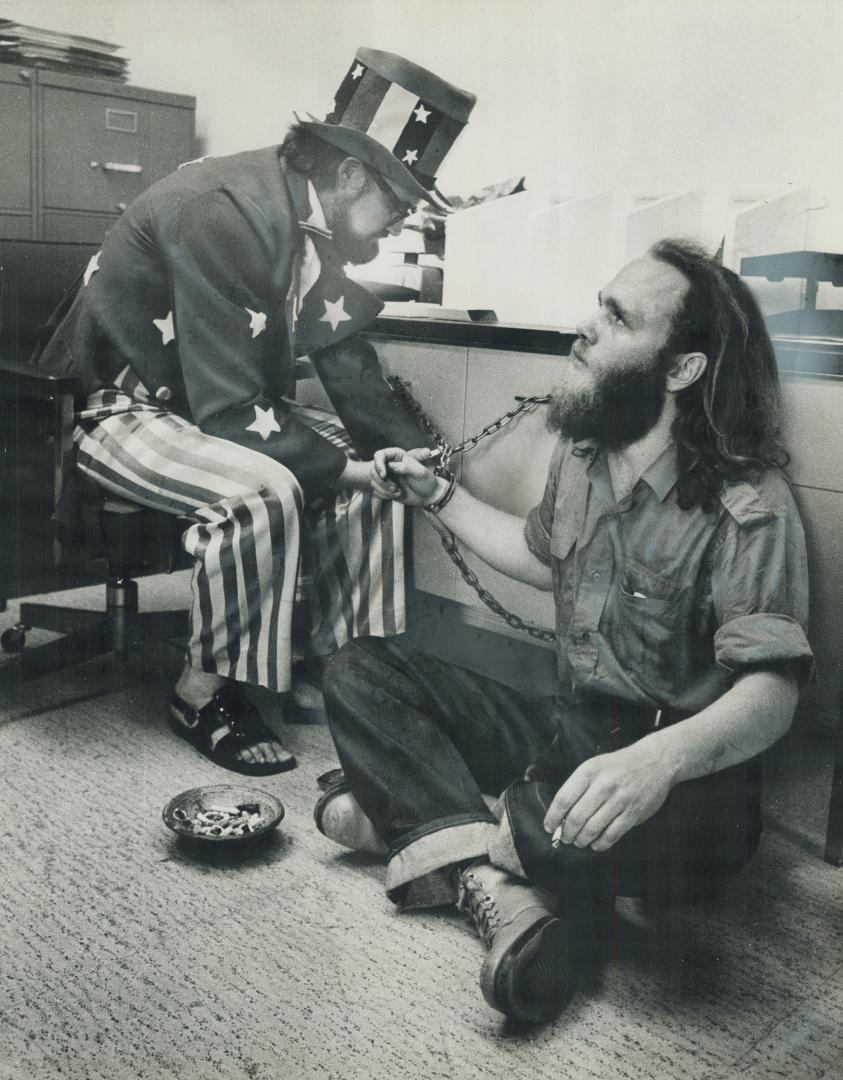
column 660, row 606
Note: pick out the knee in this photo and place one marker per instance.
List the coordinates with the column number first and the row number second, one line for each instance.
column 347, row 661
column 280, row 493
column 359, row 663
column 280, row 486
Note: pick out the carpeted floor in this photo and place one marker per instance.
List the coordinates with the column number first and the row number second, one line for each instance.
column 125, row 957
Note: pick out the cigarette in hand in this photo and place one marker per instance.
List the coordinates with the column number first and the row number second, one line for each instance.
column 556, row 839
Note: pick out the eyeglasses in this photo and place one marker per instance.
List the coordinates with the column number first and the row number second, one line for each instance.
column 401, row 210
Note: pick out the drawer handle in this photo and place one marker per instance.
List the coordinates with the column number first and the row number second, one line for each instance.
column 117, row 166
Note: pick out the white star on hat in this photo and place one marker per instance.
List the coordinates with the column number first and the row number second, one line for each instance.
column 165, row 325
column 411, row 157
column 258, row 322
column 92, row 268
column 421, row 114
column 335, row 313
column 358, row 71
column 264, row 423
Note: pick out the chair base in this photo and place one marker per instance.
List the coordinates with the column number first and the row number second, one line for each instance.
column 120, row 630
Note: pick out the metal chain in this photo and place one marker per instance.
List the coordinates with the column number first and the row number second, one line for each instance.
column 402, row 391
column 449, row 543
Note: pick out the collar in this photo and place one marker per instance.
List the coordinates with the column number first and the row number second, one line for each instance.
column 660, row 476
column 316, row 222
column 663, row 473
column 308, row 211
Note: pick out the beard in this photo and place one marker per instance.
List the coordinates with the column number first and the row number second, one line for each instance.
column 616, row 408
column 350, row 247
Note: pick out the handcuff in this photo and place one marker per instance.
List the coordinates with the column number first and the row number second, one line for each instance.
column 443, row 472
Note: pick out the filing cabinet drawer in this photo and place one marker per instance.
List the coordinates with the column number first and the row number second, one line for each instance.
column 172, row 137
column 17, row 226
column 98, row 149
column 15, row 135
column 75, row 228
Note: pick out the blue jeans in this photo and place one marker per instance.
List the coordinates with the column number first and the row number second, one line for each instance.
column 421, row 741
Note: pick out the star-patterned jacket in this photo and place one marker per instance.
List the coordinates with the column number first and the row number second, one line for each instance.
column 192, row 290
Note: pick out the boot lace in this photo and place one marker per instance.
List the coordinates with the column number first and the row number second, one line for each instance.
column 478, row 905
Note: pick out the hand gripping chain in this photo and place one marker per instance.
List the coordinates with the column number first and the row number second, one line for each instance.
column 525, row 404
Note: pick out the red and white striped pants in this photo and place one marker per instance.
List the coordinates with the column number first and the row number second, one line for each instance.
column 251, row 536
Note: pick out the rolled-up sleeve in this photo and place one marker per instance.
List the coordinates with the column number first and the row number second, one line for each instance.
column 760, row 594
column 539, row 523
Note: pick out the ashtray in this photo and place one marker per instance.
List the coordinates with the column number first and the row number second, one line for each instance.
column 223, row 813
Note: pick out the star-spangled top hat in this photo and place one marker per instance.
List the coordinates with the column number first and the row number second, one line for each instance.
column 398, row 118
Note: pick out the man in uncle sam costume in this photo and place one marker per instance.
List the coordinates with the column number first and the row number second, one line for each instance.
column 185, row 331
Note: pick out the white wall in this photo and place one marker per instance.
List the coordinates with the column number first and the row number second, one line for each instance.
column 656, row 95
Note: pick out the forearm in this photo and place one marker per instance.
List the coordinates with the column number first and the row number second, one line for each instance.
column 370, row 411
column 356, row 474
column 743, row 722
column 611, row 793
column 495, row 536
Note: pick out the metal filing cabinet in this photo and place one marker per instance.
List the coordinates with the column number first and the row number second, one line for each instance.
column 17, row 175
column 77, row 151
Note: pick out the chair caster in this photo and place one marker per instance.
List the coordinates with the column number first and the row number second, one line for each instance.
column 14, row 639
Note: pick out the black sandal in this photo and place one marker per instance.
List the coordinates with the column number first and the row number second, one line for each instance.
column 230, row 712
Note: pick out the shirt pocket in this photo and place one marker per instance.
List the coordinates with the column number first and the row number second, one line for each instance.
column 649, row 607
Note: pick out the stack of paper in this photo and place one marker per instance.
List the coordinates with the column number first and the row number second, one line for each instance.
column 61, row 52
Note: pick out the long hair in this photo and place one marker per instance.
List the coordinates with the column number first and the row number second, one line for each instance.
column 311, row 156
column 729, row 425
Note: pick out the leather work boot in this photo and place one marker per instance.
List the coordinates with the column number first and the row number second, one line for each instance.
column 530, row 973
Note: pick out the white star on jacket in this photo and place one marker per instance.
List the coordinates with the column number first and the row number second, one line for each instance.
column 264, row 423
column 421, row 114
column 92, row 267
column 335, row 313
column 165, row 326
column 358, row 71
column 257, row 323
column 411, row 157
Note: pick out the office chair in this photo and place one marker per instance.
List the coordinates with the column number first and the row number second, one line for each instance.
column 57, row 533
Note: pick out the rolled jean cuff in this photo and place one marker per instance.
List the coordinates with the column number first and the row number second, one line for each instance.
column 502, row 850
column 436, row 849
